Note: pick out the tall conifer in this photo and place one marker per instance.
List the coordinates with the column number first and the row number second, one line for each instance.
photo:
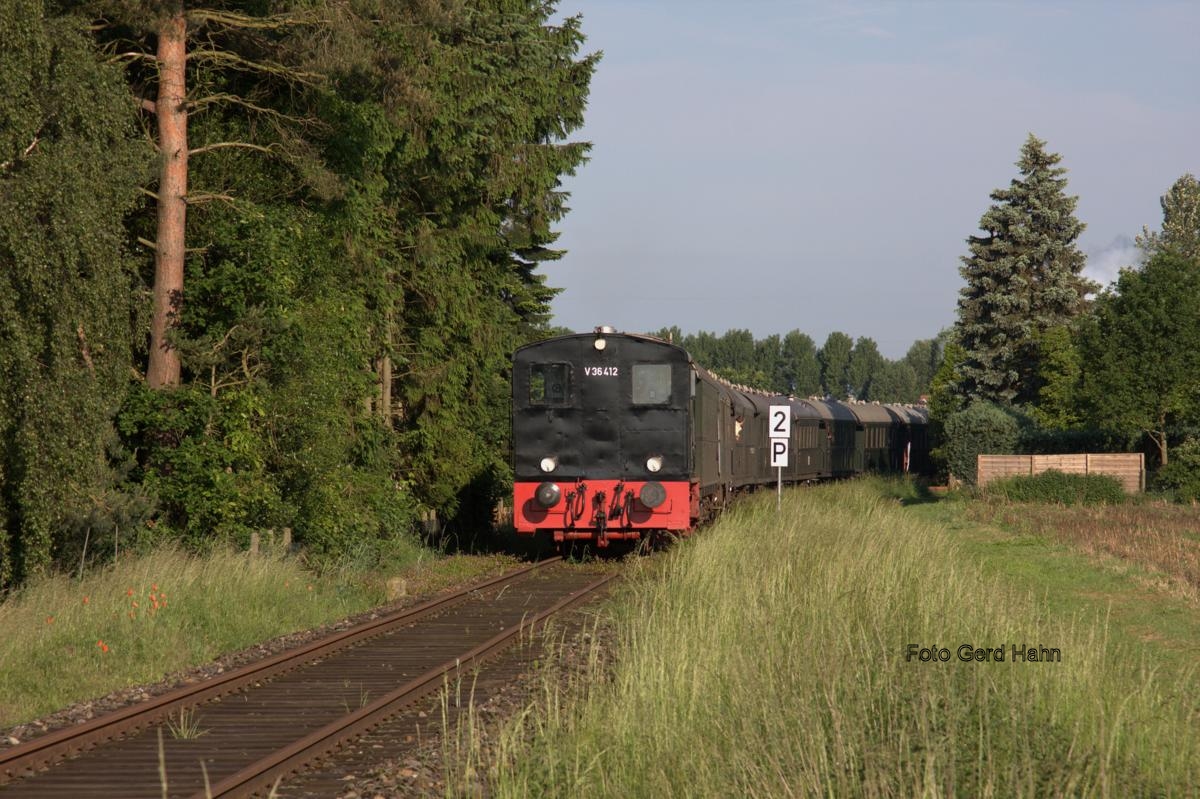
column 1023, row 278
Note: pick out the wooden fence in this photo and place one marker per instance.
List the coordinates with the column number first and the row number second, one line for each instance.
column 1129, row 468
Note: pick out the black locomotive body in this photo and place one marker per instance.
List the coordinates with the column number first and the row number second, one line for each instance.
column 617, row 436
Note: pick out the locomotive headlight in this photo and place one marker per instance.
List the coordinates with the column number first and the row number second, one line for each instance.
column 652, row 495
column 548, row 495
column 549, row 464
column 600, row 344
column 654, row 463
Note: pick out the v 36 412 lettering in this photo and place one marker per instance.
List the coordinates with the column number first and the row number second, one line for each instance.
column 601, row 371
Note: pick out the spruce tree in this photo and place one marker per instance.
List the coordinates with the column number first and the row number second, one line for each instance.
column 1023, row 278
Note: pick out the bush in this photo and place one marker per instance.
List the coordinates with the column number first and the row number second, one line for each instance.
column 1181, row 475
column 1060, row 487
column 356, row 513
column 206, row 460
column 1040, row 441
column 981, row 429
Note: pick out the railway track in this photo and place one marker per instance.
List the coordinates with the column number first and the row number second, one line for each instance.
column 245, row 731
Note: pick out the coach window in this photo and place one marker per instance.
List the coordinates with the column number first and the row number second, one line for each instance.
column 651, row 383
column 549, row 383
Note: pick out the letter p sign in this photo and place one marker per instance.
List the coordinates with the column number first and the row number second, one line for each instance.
column 779, row 452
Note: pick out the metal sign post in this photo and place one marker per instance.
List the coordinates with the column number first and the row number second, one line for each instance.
column 779, row 434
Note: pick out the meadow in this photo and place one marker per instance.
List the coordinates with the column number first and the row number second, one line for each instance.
column 1161, row 537
column 780, row 654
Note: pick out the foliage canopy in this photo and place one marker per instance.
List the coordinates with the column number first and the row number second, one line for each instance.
column 371, row 190
column 1141, row 351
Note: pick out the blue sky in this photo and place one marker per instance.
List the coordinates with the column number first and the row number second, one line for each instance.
column 819, row 165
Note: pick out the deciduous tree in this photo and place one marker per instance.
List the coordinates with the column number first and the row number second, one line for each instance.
column 70, row 166
column 800, row 371
column 834, row 357
column 924, row 357
column 1180, row 232
column 1141, row 352
column 1059, row 374
column 894, row 381
column 865, row 365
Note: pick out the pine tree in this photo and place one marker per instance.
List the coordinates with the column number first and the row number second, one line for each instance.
column 387, row 177
column 192, row 66
column 1180, row 232
column 1023, row 278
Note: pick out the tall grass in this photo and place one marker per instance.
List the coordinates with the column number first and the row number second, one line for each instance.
column 770, row 660
column 66, row 640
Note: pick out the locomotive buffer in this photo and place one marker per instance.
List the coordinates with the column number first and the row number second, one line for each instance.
column 779, row 432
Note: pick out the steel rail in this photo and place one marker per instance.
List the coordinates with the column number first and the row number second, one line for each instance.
column 60, row 744
column 261, row 777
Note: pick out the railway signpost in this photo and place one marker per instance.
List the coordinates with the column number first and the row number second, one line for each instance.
column 779, row 433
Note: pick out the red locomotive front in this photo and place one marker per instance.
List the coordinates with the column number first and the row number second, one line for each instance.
column 604, row 510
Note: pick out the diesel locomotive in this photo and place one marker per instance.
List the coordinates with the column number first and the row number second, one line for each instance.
column 618, row 437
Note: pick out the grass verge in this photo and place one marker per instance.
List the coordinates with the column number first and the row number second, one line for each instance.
column 1161, row 537
column 70, row 640
column 770, row 659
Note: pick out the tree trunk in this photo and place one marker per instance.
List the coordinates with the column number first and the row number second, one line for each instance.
column 171, row 112
column 1160, row 440
column 385, row 389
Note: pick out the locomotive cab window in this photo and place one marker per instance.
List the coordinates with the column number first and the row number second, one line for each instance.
column 549, row 383
column 651, row 383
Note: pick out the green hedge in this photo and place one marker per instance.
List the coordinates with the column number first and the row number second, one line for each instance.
column 1055, row 486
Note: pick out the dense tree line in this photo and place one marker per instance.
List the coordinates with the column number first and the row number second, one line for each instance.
column 1046, row 350
column 263, row 264
column 842, row 367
